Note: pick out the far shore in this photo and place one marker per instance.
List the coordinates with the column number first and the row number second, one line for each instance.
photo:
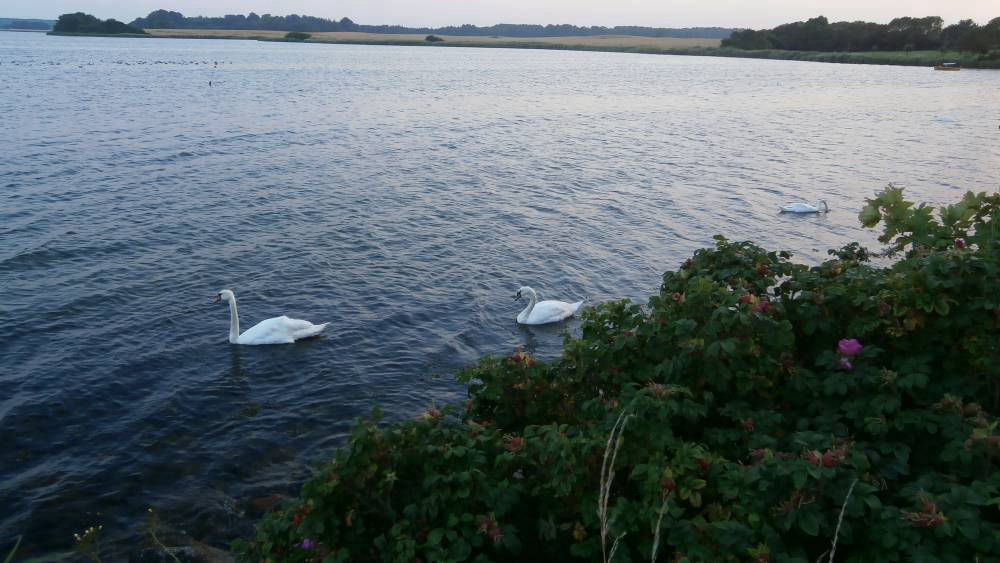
column 696, row 46
column 589, row 42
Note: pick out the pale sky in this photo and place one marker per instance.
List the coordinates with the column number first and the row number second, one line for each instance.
column 434, row 13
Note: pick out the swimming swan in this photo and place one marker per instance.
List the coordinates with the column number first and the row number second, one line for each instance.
column 820, row 206
column 543, row 312
column 279, row 330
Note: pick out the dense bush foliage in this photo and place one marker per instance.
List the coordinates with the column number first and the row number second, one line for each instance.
column 80, row 22
column 755, row 410
column 901, row 34
column 296, row 36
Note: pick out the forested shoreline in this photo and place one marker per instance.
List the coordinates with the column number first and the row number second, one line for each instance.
column 164, row 19
column 900, row 34
column 80, row 23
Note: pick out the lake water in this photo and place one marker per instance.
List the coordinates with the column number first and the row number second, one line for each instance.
column 401, row 193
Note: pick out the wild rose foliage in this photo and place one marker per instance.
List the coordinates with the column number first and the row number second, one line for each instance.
column 745, row 424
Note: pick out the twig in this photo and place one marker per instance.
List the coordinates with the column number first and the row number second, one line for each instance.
column 840, row 520
column 10, row 556
column 656, row 535
column 607, row 476
column 152, row 532
column 614, row 546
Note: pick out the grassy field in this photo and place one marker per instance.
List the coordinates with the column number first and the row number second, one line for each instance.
column 611, row 42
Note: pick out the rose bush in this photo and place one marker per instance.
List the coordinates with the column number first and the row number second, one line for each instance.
column 754, row 410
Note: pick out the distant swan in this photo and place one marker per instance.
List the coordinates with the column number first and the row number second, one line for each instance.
column 279, row 330
column 543, row 312
column 820, row 206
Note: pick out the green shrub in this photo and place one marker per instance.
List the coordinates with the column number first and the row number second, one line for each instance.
column 297, row 36
column 80, row 22
column 756, row 409
column 433, row 38
column 993, row 55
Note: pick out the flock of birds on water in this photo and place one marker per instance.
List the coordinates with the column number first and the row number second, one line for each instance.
column 286, row 330
column 15, row 62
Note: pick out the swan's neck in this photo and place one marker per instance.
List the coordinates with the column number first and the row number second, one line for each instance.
column 234, row 321
column 532, row 299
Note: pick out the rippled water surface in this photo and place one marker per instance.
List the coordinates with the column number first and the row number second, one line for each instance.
column 401, row 193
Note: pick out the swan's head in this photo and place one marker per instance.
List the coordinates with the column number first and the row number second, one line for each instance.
column 523, row 291
column 224, row 295
column 822, row 205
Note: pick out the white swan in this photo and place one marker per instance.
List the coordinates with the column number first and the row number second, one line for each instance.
column 279, row 330
column 543, row 312
column 820, row 206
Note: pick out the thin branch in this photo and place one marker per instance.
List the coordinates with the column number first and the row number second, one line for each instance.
column 840, row 520
column 607, row 477
column 10, row 556
column 614, row 546
column 656, row 536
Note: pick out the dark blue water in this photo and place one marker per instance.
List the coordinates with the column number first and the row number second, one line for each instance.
column 402, row 194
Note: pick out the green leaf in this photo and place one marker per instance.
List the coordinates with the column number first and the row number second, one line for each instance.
column 874, row 504
column 510, row 540
column 941, row 306
column 434, row 537
column 809, row 522
column 799, row 478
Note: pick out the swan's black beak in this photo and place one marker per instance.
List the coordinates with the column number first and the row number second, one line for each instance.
column 518, row 296
column 218, row 297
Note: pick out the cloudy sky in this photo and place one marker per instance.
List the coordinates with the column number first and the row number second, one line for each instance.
column 656, row 13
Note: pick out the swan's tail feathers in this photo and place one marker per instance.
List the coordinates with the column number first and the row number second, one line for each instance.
column 310, row 331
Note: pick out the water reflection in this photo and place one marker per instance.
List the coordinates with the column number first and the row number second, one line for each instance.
column 235, row 362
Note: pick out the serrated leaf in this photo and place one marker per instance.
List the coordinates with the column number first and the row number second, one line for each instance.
column 809, row 523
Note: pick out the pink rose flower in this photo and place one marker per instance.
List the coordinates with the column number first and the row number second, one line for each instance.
column 849, row 347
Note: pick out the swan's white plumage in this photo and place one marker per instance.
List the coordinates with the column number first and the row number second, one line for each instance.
column 544, row 312
column 277, row 330
column 820, row 206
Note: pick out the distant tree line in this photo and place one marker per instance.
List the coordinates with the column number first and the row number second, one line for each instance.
column 86, row 23
column 901, row 34
column 15, row 23
column 163, row 19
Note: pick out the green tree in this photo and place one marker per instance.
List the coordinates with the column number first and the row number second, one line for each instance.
column 80, row 22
